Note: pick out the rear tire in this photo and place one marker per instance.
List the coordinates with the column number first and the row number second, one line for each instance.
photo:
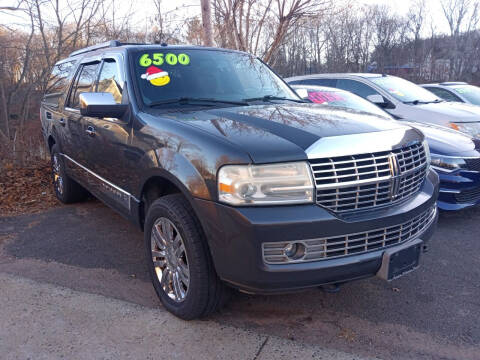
column 179, row 260
column 66, row 189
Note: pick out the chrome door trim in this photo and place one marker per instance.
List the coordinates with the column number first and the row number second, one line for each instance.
column 102, row 179
column 355, row 144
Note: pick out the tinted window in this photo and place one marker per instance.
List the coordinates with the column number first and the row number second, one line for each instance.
column 58, row 82
column 320, row 82
column 296, row 82
column 470, row 92
column 109, row 80
column 344, row 99
column 163, row 75
column 85, row 82
column 356, row 87
column 404, row 90
column 444, row 94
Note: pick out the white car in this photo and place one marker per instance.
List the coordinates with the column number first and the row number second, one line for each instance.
column 456, row 92
column 402, row 99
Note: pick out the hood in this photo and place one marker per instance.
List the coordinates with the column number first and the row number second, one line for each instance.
column 446, row 112
column 444, row 141
column 282, row 132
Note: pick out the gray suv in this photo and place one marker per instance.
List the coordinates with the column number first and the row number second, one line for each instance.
column 235, row 181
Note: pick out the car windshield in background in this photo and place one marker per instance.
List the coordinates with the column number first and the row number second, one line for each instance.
column 344, row 99
column 404, row 90
column 192, row 76
column 469, row 92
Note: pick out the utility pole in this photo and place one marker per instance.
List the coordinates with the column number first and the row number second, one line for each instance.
column 207, row 23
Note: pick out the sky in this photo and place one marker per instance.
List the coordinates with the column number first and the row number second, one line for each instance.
column 192, row 7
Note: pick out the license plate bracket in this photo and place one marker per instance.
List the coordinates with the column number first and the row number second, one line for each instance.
column 401, row 260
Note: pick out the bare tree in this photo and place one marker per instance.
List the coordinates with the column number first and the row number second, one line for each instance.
column 207, row 22
column 462, row 17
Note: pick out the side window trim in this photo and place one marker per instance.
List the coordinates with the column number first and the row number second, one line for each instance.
column 453, row 95
column 73, row 85
column 76, row 78
column 118, row 67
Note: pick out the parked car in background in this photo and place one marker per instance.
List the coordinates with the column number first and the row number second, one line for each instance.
column 235, row 180
column 455, row 92
column 402, row 99
column 455, row 156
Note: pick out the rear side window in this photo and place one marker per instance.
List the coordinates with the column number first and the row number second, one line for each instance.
column 84, row 82
column 356, row 87
column 320, row 82
column 444, row 94
column 57, row 84
column 296, row 82
column 109, row 80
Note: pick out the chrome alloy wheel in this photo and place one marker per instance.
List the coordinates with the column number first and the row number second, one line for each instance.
column 170, row 259
column 57, row 175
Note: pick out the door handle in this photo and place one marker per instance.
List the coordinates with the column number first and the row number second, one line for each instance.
column 62, row 121
column 90, row 130
column 48, row 114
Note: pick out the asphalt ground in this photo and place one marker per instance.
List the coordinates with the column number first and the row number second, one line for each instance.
column 432, row 313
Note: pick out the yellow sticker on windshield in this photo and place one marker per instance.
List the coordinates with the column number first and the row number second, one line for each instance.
column 156, row 76
column 397, row 92
column 160, row 58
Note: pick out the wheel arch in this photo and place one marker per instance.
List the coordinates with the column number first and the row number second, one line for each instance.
column 158, row 183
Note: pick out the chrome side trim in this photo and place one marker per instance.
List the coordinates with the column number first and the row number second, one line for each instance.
column 345, row 145
column 126, row 193
column 448, row 191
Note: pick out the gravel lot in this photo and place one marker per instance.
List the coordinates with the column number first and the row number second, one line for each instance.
column 432, row 313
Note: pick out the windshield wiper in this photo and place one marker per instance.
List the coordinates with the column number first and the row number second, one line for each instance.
column 268, row 98
column 196, row 101
column 416, row 102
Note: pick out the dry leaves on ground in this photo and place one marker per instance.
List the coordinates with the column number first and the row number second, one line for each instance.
column 26, row 190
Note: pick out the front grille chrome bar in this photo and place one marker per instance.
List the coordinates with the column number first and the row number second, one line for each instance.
column 350, row 244
column 362, row 181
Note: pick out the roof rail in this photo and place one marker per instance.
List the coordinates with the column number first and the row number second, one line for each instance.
column 107, row 44
column 452, row 83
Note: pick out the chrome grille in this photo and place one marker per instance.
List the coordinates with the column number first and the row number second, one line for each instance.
column 363, row 181
column 349, row 244
column 469, row 196
column 473, row 164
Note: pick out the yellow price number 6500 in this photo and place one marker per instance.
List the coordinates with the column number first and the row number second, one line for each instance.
column 159, row 59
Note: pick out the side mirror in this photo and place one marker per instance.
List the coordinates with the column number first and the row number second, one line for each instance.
column 376, row 99
column 101, row 105
column 380, row 101
column 303, row 93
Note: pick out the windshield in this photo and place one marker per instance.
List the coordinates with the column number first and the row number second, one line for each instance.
column 404, row 90
column 165, row 74
column 469, row 92
column 344, row 99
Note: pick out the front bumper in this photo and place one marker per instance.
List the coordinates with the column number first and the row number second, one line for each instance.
column 235, row 237
column 459, row 189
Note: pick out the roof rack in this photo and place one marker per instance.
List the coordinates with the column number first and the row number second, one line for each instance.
column 107, row 44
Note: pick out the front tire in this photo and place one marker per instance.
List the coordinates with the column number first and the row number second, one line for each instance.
column 66, row 189
column 179, row 261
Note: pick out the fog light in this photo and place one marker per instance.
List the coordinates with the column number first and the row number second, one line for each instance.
column 294, row 251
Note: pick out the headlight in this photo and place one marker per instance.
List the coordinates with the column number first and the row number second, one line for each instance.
column 472, row 129
column 287, row 183
column 448, row 164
